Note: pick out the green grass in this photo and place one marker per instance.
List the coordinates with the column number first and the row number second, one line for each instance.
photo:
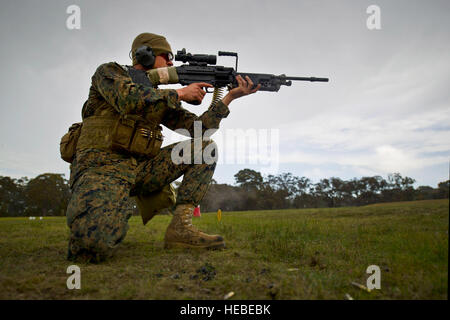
column 331, row 248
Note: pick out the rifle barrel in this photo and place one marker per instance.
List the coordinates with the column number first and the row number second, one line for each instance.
column 312, row 79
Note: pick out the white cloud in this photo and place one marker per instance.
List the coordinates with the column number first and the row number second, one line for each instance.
column 371, row 144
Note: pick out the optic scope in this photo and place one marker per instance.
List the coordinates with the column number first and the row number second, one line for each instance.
column 195, row 59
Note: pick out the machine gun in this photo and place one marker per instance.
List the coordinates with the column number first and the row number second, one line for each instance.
column 203, row 68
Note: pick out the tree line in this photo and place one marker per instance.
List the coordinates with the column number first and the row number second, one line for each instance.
column 48, row 194
column 255, row 192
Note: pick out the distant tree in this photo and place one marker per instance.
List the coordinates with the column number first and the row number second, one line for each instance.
column 249, row 179
column 12, row 202
column 272, row 197
column 338, row 191
column 396, row 181
column 303, row 199
column 322, row 194
column 303, row 185
column 425, row 193
column 286, row 182
column 399, row 188
column 368, row 189
column 47, row 195
column 443, row 188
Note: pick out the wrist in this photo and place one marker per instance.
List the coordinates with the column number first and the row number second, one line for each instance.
column 227, row 99
column 180, row 93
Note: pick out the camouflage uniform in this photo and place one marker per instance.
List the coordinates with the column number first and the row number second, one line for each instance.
column 101, row 180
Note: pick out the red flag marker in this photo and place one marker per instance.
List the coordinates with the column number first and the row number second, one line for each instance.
column 197, row 212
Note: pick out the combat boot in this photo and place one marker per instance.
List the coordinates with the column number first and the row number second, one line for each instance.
column 182, row 234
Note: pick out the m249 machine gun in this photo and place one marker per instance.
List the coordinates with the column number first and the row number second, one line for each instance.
column 203, row 68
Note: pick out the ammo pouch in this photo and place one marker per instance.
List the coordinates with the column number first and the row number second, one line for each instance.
column 137, row 136
column 68, row 144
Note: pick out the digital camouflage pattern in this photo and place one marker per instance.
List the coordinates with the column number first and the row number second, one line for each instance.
column 154, row 174
column 96, row 214
column 101, row 180
column 113, row 92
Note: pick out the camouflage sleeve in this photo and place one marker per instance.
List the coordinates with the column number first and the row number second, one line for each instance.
column 181, row 118
column 114, row 84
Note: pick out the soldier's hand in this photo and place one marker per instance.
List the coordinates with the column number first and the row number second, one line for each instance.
column 193, row 93
column 245, row 88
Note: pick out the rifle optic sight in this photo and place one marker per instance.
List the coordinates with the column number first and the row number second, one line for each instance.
column 195, row 59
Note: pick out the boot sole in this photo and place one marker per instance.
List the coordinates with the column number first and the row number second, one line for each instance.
column 182, row 245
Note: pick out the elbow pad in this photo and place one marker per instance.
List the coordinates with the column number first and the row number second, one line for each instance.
column 167, row 75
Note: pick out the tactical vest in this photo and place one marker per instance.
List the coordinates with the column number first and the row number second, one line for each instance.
column 130, row 134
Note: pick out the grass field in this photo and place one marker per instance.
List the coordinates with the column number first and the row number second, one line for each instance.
column 287, row 254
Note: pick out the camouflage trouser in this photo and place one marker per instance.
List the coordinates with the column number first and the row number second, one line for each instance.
column 97, row 214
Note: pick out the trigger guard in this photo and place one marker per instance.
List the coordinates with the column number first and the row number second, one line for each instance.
column 206, row 90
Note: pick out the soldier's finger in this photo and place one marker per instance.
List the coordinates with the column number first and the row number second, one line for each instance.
column 249, row 81
column 243, row 83
column 239, row 80
column 204, row 84
column 198, row 90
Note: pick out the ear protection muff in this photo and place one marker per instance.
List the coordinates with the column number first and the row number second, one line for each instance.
column 145, row 56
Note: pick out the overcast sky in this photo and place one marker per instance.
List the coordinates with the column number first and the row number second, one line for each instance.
column 386, row 107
